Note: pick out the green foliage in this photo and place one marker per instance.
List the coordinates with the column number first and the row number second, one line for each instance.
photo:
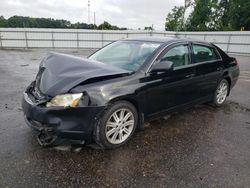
column 79, row 25
column 2, row 21
column 200, row 18
column 107, row 26
column 28, row 22
column 188, row 3
column 19, row 21
column 223, row 12
column 210, row 15
column 174, row 19
column 239, row 14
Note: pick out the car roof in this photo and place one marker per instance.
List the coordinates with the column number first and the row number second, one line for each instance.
column 166, row 40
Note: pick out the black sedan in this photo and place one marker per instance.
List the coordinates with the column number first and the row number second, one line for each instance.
column 107, row 96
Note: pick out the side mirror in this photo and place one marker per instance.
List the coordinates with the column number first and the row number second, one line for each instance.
column 164, row 66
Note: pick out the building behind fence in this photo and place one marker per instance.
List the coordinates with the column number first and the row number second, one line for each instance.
column 232, row 42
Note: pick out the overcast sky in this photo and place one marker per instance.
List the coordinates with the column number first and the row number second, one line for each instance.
column 123, row 13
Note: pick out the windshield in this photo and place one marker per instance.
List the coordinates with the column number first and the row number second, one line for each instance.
column 128, row 55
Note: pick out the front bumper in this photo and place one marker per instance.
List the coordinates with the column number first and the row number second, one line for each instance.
column 71, row 123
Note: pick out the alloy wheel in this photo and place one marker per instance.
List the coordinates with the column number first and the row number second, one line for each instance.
column 119, row 126
column 222, row 91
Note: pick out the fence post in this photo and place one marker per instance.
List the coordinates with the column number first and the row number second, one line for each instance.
column 176, row 34
column 205, row 36
column 26, row 39
column 229, row 41
column 77, row 38
column 127, row 35
column 1, row 44
column 102, row 40
column 52, row 39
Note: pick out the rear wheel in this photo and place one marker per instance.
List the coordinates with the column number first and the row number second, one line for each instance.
column 221, row 93
column 117, row 125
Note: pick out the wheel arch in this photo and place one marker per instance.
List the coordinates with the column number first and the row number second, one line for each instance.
column 227, row 77
column 137, row 106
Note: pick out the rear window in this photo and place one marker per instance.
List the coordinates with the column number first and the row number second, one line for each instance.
column 204, row 53
column 222, row 53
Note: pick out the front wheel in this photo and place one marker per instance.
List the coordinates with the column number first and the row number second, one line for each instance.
column 221, row 93
column 117, row 125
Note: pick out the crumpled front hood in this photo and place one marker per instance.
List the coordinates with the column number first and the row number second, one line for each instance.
column 61, row 72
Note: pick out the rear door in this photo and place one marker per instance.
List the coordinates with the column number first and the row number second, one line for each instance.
column 209, row 68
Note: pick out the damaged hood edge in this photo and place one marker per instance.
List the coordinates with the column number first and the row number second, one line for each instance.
column 61, row 72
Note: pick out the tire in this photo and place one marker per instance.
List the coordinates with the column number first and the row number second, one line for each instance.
column 116, row 125
column 221, row 93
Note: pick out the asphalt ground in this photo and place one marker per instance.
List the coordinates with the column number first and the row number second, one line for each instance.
column 199, row 147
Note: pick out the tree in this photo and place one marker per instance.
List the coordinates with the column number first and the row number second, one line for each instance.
column 20, row 21
column 223, row 11
column 210, row 15
column 148, row 28
column 239, row 14
column 232, row 15
column 2, row 21
column 174, row 20
column 107, row 26
column 200, row 18
column 188, row 3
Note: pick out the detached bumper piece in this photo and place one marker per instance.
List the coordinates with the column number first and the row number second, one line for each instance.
column 46, row 138
column 53, row 123
column 46, row 135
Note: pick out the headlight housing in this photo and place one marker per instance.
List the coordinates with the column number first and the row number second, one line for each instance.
column 66, row 100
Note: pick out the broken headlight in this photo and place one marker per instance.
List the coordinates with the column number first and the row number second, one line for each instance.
column 65, row 100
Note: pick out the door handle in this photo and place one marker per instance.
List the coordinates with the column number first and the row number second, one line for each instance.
column 190, row 75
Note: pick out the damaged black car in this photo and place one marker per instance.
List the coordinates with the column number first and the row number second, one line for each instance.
column 104, row 98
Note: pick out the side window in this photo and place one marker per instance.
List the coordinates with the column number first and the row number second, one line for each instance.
column 203, row 53
column 178, row 55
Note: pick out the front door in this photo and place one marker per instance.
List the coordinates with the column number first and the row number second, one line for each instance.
column 168, row 90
